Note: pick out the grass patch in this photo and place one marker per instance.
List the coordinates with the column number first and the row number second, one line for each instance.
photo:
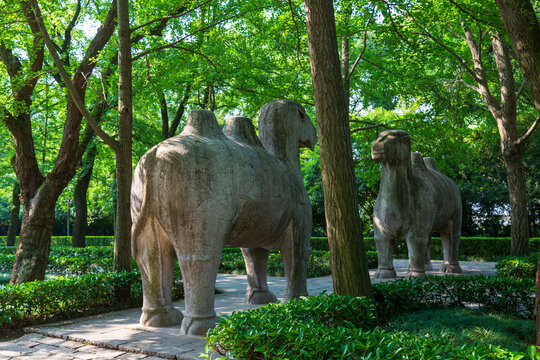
column 466, row 326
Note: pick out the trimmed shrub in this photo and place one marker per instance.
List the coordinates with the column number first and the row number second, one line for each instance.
column 484, row 247
column 518, row 267
column 329, row 327
column 506, row 295
column 68, row 297
column 66, row 240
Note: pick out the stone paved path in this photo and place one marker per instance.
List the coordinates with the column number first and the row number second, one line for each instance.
column 118, row 335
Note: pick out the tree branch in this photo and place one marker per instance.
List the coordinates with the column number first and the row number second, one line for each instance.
column 69, row 29
column 181, row 11
column 173, row 44
column 65, row 77
column 361, row 53
column 180, row 111
column 467, row 85
column 525, row 136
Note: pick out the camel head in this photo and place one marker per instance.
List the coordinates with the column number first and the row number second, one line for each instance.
column 392, row 146
column 284, row 127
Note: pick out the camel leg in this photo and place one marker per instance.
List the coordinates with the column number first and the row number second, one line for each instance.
column 416, row 245
column 295, row 252
column 257, row 269
column 427, row 259
column 450, row 243
column 155, row 256
column 385, row 252
column 199, row 275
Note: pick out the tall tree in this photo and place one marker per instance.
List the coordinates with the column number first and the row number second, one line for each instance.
column 122, row 229
column 523, row 30
column 14, row 216
column 39, row 193
column 347, row 252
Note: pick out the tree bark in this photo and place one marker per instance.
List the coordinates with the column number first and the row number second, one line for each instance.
column 14, row 216
column 39, row 194
column 122, row 243
column 523, row 30
column 78, row 238
column 505, row 114
column 347, row 252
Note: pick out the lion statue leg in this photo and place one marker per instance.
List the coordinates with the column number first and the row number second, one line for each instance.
column 156, row 258
column 256, row 260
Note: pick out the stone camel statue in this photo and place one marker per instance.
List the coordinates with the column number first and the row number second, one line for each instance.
column 415, row 199
column 205, row 189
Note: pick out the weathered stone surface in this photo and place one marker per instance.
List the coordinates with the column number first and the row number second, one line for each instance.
column 205, row 189
column 415, row 199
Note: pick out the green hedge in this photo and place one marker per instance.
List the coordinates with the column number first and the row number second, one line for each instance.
column 485, row 247
column 68, row 297
column 66, row 240
column 498, row 294
column 330, row 327
column 79, row 261
column 518, row 267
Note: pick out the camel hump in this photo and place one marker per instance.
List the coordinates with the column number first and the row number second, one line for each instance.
column 241, row 129
column 202, row 123
column 417, row 162
column 430, row 163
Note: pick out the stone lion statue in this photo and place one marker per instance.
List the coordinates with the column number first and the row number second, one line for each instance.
column 205, row 189
column 415, row 199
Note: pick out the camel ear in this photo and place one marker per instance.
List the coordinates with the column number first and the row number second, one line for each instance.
column 302, row 115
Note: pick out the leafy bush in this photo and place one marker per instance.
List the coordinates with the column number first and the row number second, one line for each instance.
column 67, row 297
column 518, row 267
column 329, row 327
column 506, row 295
column 484, row 247
column 232, row 262
column 66, row 240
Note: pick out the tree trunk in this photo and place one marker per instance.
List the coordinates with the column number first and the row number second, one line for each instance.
column 523, row 29
column 14, row 217
column 515, row 175
column 80, row 200
column 347, row 252
column 35, row 239
column 122, row 243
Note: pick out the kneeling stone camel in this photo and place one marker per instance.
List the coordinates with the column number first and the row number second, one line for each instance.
column 205, row 189
column 414, row 200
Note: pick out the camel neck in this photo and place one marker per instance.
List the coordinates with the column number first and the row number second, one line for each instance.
column 281, row 146
column 395, row 180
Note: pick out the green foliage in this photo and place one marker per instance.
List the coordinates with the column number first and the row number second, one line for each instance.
column 465, row 326
column 66, row 240
column 518, row 267
column 482, row 247
column 505, row 295
column 68, row 297
column 332, row 327
column 232, row 262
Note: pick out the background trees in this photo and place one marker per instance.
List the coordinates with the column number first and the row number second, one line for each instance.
column 408, row 66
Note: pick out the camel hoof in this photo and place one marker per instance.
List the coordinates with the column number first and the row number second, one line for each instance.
column 161, row 317
column 415, row 274
column 260, row 297
column 197, row 325
column 385, row 274
column 451, row 269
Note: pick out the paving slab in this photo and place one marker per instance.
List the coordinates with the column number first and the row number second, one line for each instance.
column 118, row 335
